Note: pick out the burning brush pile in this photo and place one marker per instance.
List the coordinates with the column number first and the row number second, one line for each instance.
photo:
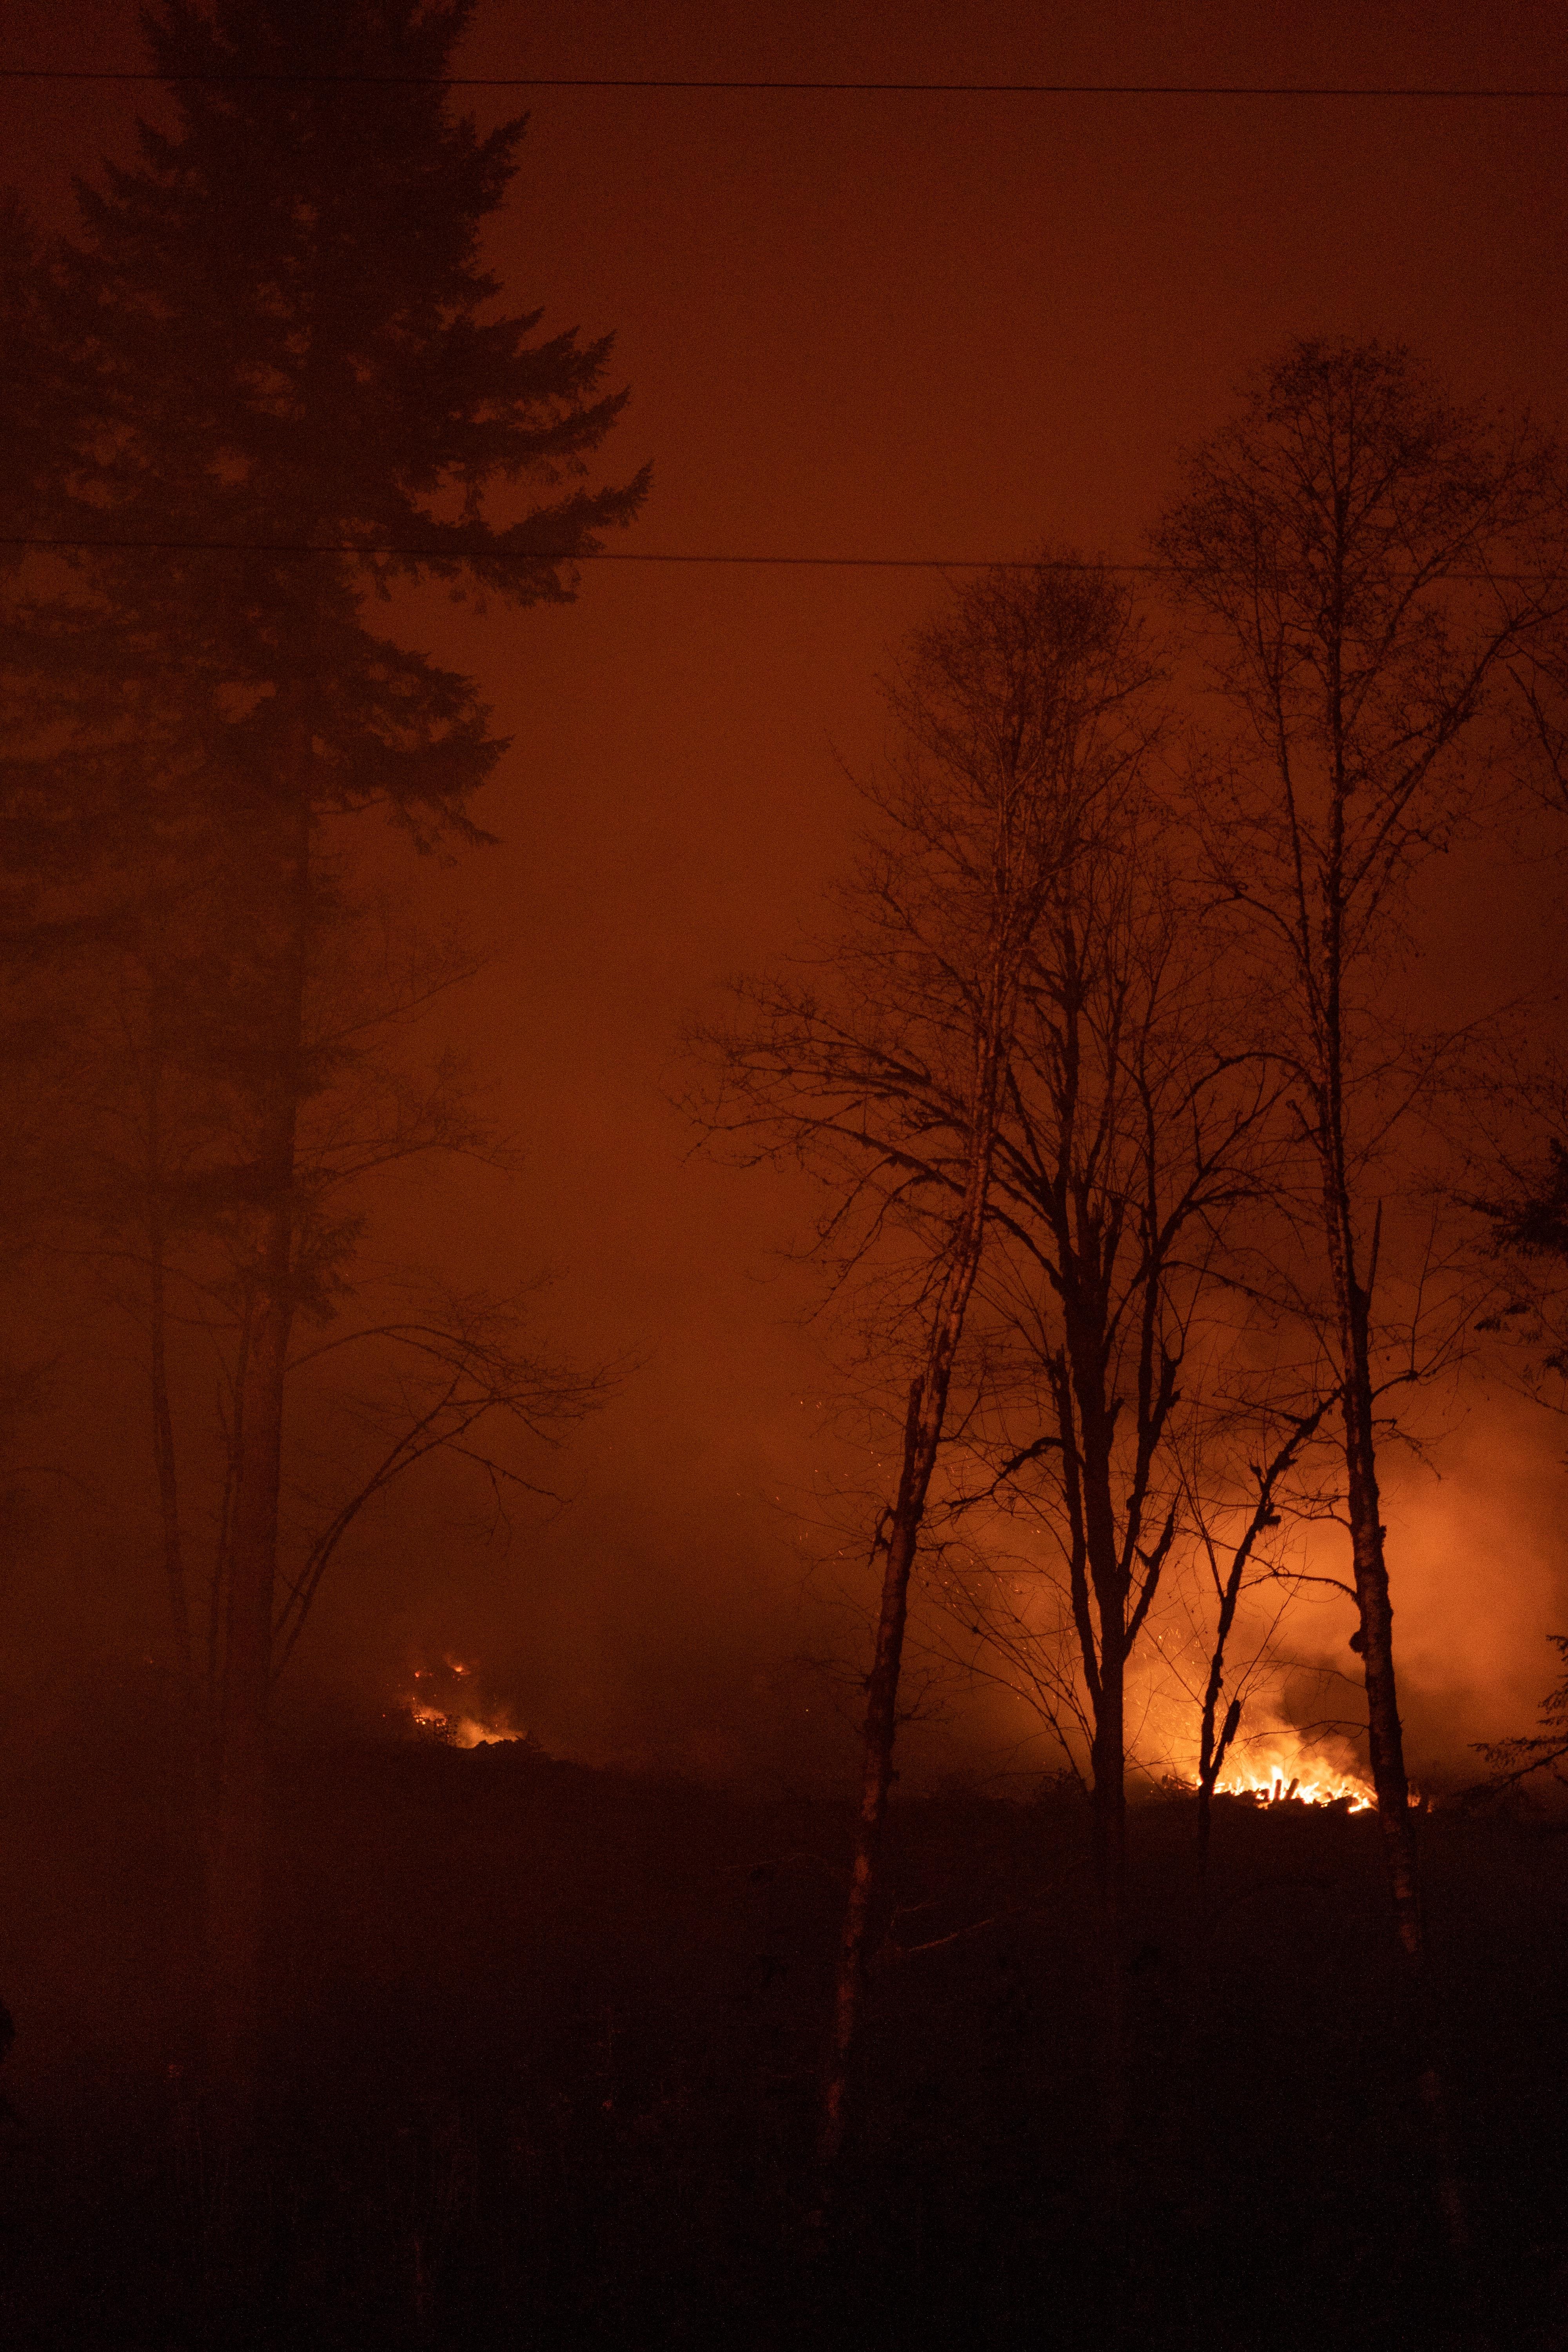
column 447, row 1706
column 1282, row 1766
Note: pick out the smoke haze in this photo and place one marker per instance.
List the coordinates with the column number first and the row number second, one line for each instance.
column 887, row 326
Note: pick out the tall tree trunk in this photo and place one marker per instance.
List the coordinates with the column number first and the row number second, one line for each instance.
column 168, row 1480
column 238, row 1883
column 158, row 1371
column 1109, row 1820
column 922, row 1437
column 1110, row 1758
column 1385, row 1733
column 1211, row 1764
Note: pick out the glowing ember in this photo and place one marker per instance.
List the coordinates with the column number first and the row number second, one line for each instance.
column 459, row 1723
column 1278, row 1767
column 1323, row 1788
column 467, row 1731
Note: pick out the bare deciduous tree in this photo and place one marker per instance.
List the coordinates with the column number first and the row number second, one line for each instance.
column 1358, row 553
column 890, row 1077
column 1132, row 1138
column 1132, row 1135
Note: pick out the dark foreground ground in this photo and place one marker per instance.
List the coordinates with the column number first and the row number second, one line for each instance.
column 544, row 2054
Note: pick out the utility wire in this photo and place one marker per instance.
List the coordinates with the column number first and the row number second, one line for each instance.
column 582, row 555
column 652, row 555
column 855, row 89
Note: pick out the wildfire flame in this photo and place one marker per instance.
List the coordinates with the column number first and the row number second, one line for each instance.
column 1281, row 1768
column 457, row 1724
column 1325, row 1788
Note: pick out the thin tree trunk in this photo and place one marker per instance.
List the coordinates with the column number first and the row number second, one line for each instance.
column 168, row 1481
column 1109, row 1815
column 1213, row 1747
column 217, row 1590
column 1385, row 1734
column 1110, row 1755
column 923, row 1436
column 236, row 1886
column 880, row 1730
column 1211, row 1764
column 158, row 1369
column 1364, row 1505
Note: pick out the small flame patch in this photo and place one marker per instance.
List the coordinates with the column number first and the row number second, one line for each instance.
column 445, row 1708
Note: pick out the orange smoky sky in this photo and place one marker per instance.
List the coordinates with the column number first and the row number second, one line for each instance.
column 866, row 324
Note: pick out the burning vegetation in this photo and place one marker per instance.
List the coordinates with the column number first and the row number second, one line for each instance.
column 1301, row 1781
column 446, row 1705
column 1281, row 1764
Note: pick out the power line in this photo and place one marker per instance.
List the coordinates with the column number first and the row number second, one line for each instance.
column 852, row 88
column 653, row 555
column 580, row 555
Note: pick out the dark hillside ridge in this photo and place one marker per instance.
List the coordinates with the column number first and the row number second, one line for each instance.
column 545, row 2042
